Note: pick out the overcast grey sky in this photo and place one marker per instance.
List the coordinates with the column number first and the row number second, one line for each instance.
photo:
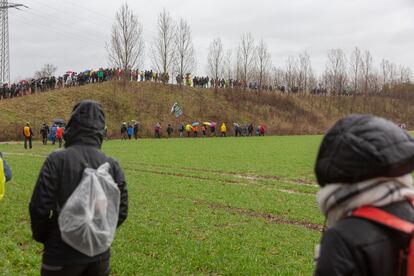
column 71, row 34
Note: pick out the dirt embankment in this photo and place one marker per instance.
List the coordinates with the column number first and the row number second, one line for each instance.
column 150, row 103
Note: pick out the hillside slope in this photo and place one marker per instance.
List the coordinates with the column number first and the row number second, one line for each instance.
column 150, row 103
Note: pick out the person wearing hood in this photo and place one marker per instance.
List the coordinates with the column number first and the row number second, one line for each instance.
column 58, row 178
column 44, row 131
column 364, row 164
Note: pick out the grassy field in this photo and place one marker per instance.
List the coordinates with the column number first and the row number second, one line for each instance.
column 197, row 206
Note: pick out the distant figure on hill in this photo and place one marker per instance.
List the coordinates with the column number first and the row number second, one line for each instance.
column 170, row 130
column 364, row 169
column 27, row 134
column 223, row 130
column 124, row 130
column 59, row 135
column 136, row 130
column 181, row 129
column 130, row 132
column 204, row 130
column 262, row 130
column 237, row 129
column 188, row 129
column 250, row 129
column 195, row 130
column 52, row 135
column 213, row 129
column 44, row 131
column 60, row 177
column 157, row 130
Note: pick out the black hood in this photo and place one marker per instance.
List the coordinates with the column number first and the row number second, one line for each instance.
column 361, row 147
column 86, row 125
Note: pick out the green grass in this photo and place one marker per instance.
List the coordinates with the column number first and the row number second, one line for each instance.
column 220, row 206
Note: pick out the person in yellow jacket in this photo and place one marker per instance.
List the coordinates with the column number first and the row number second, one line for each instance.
column 27, row 134
column 223, row 130
column 188, row 129
column 5, row 175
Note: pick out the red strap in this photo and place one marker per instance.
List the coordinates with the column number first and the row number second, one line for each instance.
column 382, row 217
column 410, row 258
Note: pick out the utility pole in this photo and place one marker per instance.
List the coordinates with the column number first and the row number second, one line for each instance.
column 4, row 39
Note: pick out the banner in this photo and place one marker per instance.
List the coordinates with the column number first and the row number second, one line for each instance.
column 176, row 110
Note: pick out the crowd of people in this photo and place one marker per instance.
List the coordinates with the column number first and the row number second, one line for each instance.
column 53, row 134
column 70, row 78
column 209, row 129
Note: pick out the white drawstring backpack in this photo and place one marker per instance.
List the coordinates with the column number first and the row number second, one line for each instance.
column 88, row 219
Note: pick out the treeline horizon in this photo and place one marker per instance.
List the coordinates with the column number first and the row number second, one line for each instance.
column 173, row 56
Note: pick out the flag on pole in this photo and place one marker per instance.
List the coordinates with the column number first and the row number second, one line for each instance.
column 176, row 110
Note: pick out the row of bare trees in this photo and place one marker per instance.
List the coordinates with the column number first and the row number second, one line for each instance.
column 172, row 52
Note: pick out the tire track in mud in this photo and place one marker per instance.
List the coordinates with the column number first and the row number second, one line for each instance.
column 247, row 176
column 225, row 181
column 271, row 218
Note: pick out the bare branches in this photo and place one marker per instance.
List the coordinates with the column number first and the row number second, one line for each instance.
column 126, row 48
column 336, row 71
column 355, row 64
column 185, row 61
column 215, row 59
column 163, row 50
column 263, row 64
column 246, row 53
column 47, row 71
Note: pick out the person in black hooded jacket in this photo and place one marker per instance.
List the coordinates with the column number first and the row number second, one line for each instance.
column 58, row 178
column 364, row 161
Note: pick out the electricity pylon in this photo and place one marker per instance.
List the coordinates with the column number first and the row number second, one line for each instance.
column 4, row 39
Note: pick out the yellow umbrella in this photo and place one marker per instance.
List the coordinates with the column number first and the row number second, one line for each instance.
column 207, row 123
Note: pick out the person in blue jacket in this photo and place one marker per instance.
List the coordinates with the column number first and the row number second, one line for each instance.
column 52, row 136
column 130, row 131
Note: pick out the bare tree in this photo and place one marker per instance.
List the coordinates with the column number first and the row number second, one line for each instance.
column 263, row 63
column 215, row 59
column 163, row 50
column 367, row 68
column 227, row 64
column 185, row 61
column 290, row 73
column 126, row 48
column 404, row 74
column 304, row 72
column 246, row 53
column 278, row 77
column 336, row 76
column 47, row 71
column 355, row 64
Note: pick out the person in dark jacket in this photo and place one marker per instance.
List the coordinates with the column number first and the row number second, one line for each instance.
column 364, row 161
column 170, row 130
column 136, row 130
column 58, row 178
column 124, row 130
column 44, row 131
